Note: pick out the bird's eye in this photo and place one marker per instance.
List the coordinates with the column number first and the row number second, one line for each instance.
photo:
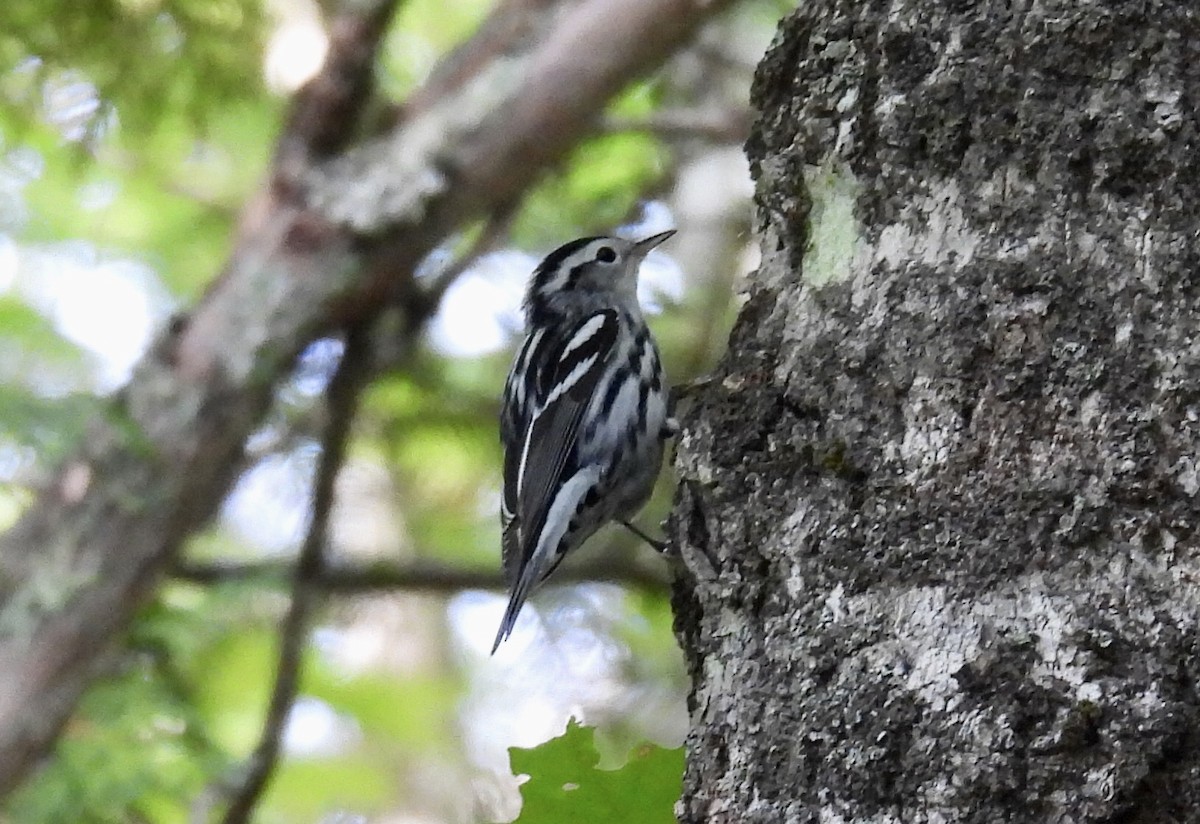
column 606, row 254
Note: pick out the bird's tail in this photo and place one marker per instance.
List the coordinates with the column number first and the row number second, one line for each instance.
column 516, row 600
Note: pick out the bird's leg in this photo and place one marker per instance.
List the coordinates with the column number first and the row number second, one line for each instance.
column 659, row 545
column 681, row 392
column 687, row 391
column 670, row 428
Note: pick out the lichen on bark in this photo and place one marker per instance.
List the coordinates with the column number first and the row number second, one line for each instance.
column 937, row 516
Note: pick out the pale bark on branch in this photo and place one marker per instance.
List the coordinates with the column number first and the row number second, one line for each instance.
column 333, row 236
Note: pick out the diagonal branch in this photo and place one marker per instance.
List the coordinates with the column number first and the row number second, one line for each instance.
column 337, row 231
column 342, row 401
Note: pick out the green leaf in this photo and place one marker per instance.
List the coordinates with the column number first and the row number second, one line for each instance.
column 564, row 784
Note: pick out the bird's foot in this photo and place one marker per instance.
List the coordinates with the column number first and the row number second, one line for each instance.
column 659, row 545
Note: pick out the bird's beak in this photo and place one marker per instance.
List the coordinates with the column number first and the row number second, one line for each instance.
column 643, row 247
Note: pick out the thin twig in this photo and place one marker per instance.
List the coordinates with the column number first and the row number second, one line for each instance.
column 418, row 301
column 421, row 576
column 342, row 399
column 657, row 544
column 725, row 126
column 494, row 232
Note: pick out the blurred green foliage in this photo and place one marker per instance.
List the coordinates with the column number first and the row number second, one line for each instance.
column 48, row 423
column 132, row 752
column 168, row 197
column 151, row 119
column 146, row 58
column 422, row 32
column 139, row 747
column 565, row 785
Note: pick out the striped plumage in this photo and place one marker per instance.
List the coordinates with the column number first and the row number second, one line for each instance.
column 585, row 410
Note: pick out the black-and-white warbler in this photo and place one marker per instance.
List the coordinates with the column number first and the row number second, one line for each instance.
column 585, row 410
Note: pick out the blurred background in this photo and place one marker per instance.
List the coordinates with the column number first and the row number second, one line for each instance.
column 131, row 134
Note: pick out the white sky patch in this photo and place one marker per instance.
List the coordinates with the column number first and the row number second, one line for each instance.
column 9, row 261
column 108, row 307
column 481, row 312
column 314, row 369
column 269, row 505
column 295, row 53
column 354, row 648
column 107, row 312
column 70, row 103
column 15, row 460
column 558, row 663
column 656, row 217
column 23, row 165
column 475, row 617
column 98, row 194
column 314, row 730
column 19, row 167
column 660, row 281
column 661, row 276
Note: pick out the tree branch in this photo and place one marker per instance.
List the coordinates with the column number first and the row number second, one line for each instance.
column 720, row 126
column 339, row 228
column 342, row 400
column 420, row 576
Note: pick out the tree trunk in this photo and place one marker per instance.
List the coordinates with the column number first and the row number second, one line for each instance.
column 937, row 511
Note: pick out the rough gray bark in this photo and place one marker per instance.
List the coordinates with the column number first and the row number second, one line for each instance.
column 938, row 510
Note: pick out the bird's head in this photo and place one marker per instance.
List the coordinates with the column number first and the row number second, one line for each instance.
column 604, row 267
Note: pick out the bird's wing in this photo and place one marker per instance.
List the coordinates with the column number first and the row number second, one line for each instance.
column 520, row 396
column 539, row 470
column 567, row 386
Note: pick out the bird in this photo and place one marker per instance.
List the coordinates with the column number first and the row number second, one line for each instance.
column 585, row 412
